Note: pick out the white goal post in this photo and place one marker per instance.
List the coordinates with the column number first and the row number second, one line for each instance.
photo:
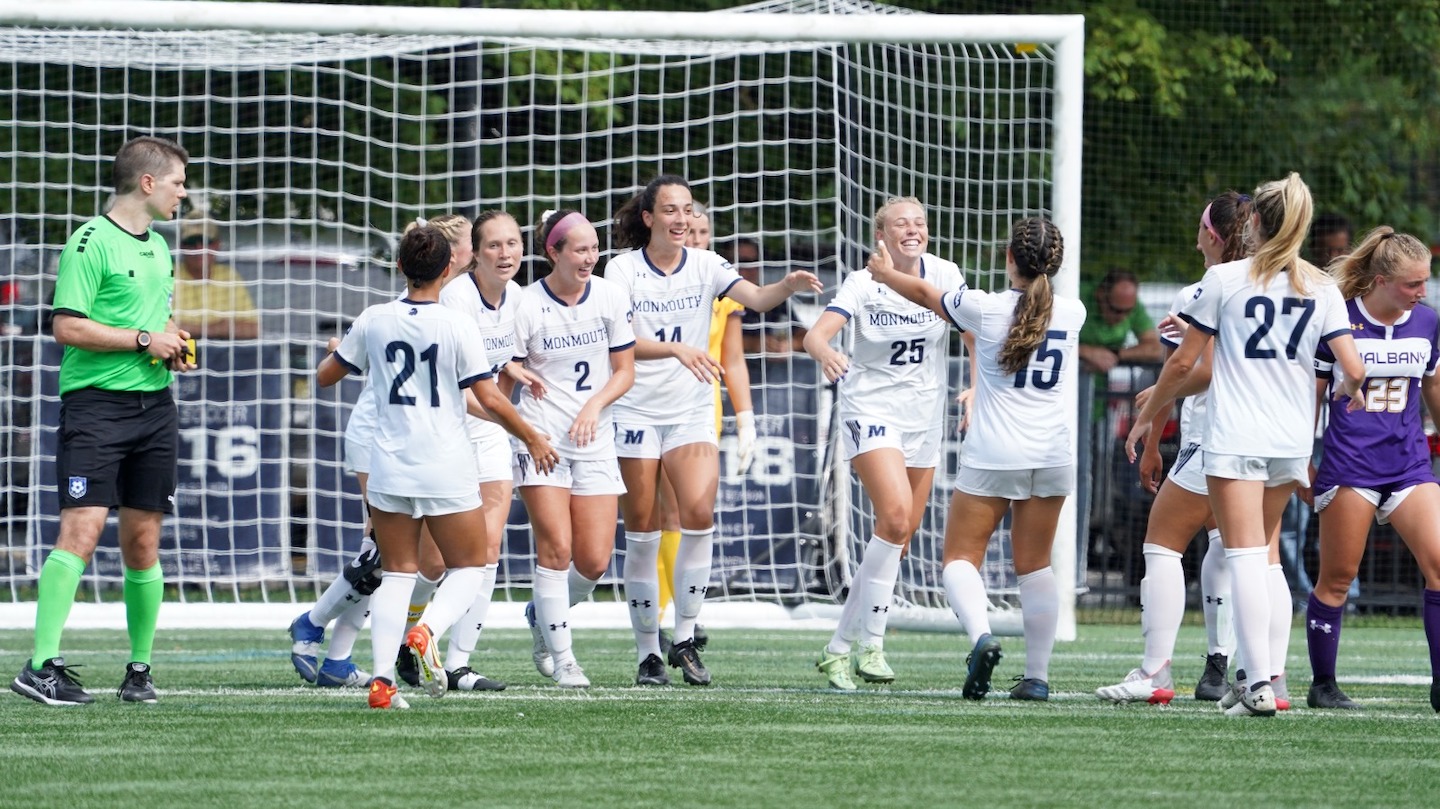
column 316, row 132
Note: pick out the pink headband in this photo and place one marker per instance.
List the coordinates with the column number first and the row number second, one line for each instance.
column 1205, row 222
column 564, row 226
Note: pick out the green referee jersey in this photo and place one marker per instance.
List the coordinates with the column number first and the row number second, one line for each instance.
column 119, row 279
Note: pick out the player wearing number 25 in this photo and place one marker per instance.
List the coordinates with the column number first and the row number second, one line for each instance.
column 1017, row 454
column 118, row 422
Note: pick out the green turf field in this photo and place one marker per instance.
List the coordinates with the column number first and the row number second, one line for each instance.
column 235, row 727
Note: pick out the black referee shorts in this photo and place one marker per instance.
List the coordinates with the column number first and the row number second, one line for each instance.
column 118, row 448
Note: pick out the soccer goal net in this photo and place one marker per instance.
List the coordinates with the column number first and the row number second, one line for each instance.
column 316, row 133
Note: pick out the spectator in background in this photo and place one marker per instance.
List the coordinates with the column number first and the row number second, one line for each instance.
column 1330, row 236
column 210, row 298
column 1116, row 317
column 775, row 333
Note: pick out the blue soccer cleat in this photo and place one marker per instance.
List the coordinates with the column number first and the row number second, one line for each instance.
column 305, row 640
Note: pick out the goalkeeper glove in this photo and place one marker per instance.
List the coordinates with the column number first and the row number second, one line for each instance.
column 745, row 438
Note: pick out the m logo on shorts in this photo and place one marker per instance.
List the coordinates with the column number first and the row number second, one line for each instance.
column 78, row 487
column 876, row 430
column 634, row 436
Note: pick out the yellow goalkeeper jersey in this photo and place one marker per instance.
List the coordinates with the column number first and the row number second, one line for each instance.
column 724, row 308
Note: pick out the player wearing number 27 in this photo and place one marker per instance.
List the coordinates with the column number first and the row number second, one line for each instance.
column 898, row 355
column 1016, row 455
column 1267, row 314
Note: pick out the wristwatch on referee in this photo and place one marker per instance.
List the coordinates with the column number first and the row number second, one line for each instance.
column 142, row 342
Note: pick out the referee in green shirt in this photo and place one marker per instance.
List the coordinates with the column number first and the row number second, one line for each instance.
column 118, row 422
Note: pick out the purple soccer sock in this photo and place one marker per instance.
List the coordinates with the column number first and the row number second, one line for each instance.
column 1432, row 630
column 1322, row 636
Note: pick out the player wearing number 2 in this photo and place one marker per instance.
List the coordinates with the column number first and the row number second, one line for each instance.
column 572, row 331
column 669, row 417
column 1267, row 315
column 898, row 354
column 1017, row 454
column 1376, row 464
column 423, row 357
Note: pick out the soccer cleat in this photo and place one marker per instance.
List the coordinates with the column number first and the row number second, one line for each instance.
column 1254, row 702
column 405, row 667
column 652, row 672
column 421, row 642
column 836, row 669
column 1153, row 689
column 1030, row 689
column 53, row 684
column 383, row 694
column 1215, row 681
column 1232, row 695
column 980, row 665
column 1329, row 695
column 702, row 638
column 870, row 664
column 137, row 685
column 544, row 663
column 305, row 640
column 341, row 674
column 570, row 675
column 464, row 679
column 686, row 657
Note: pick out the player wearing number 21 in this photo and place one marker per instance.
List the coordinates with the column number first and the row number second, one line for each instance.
column 898, row 354
column 1017, row 454
column 668, row 417
column 423, row 357
column 1267, row 314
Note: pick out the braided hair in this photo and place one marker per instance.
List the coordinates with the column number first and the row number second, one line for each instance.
column 1037, row 249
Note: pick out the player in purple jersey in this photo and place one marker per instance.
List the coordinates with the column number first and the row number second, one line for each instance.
column 1376, row 463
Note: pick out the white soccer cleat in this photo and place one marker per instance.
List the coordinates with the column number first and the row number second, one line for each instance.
column 1259, row 702
column 539, row 652
column 1155, row 689
column 570, row 675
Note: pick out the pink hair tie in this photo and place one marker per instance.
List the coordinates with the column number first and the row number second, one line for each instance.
column 1205, row 222
column 563, row 227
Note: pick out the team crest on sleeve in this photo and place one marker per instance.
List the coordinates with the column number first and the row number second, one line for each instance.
column 78, row 486
column 955, row 298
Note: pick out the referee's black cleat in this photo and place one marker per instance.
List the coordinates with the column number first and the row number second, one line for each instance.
column 53, row 684
column 406, row 668
column 1329, row 695
column 685, row 657
column 652, row 672
column 137, row 685
column 1214, row 682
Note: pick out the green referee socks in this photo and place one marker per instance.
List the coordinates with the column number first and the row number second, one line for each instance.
column 144, row 590
column 59, row 579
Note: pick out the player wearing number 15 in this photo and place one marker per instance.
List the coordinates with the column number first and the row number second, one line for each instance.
column 1017, row 454
column 1267, row 315
column 118, row 422
column 898, row 355
column 422, row 357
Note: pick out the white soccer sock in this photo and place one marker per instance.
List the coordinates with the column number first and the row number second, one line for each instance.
column 453, row 598
column 876, row 577
column 642, row 590
column 692, row 579
column 424, row 589
column 1282, row 611
column 847, row 629
column 1162, row 604
column 339, row 595
column 1215, row 593
column 552, row 611
column 466, row 632
column 579, row 585
column 1040, row 611
column 387, row 620
column 966, row 591
column 1250, row 592
column 347, row 629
